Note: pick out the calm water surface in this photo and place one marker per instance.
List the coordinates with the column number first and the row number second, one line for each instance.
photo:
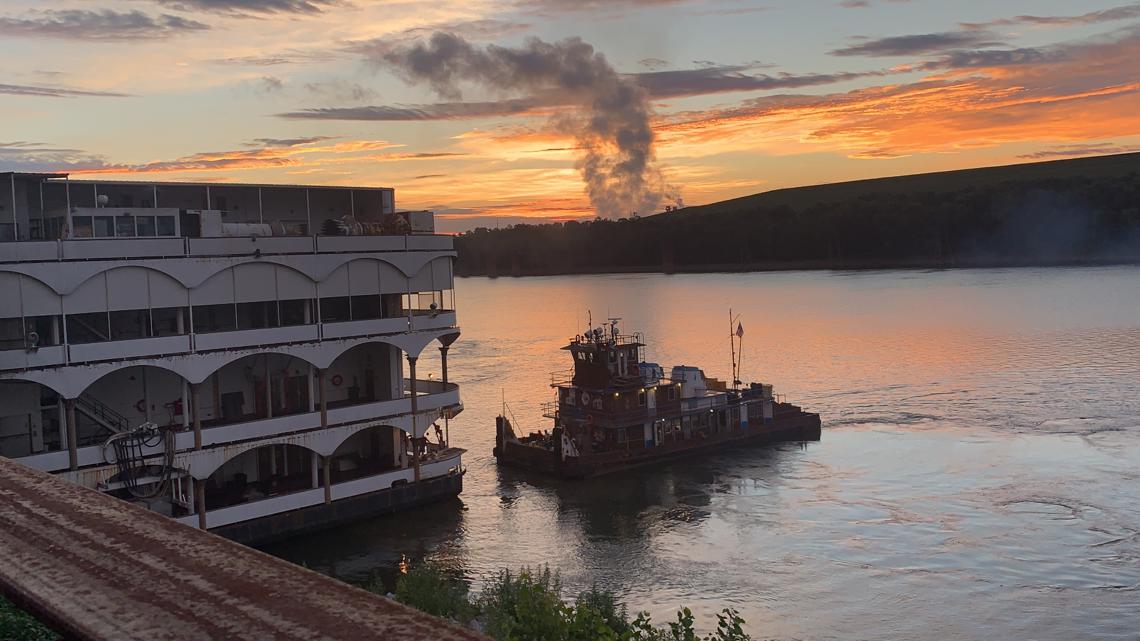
column 978, row 477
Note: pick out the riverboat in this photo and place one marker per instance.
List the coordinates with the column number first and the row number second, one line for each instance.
column 614, row 411
column 239, row 357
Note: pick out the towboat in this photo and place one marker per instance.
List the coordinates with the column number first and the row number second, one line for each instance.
column 614, row 411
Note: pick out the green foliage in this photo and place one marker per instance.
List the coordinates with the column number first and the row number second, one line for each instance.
column 527, row 606
column 428, row 587
column 17, row 625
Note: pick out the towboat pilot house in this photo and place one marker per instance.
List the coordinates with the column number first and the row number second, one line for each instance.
column 613, row 410
column 252, row 359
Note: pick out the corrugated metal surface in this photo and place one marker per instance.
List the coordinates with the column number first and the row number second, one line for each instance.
column 99, row 568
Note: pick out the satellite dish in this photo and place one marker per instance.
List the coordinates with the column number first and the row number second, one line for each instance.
column 102, row 199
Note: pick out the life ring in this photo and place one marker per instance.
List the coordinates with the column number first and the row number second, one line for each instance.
column 585, row 398
column 337, row 379
column 141, row 406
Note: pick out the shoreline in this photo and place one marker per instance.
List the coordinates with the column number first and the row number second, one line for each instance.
column 807, row 265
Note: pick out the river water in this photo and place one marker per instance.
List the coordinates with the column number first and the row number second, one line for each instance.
column 978, row 475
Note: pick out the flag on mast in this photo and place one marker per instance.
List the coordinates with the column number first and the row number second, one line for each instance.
column 739, row 330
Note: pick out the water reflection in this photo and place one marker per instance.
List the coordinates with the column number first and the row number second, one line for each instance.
column 977, row 475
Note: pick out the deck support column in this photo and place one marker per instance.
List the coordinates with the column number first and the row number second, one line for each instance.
column 322, row 397
column 200, row 500
column 196, row 414
column 268, row 384
column 327, row 478
column 72, row 434
column 446, row 422
column 415, row 407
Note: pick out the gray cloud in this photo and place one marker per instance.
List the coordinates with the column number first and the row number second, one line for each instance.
column 918, row 44
column 339, row 89
column 538, row 6
column 658, row 84
column 436, row 111
column 269, row 84
column 1126, row 12
column 37, row 156
column 286, row 142
column 47, row 91
column 863, row 4
column 484, row 29
column 247, row 7
column 287, row 57
column 997, row 58
column 1081, row 149
column 709, row 80
column 99, row 25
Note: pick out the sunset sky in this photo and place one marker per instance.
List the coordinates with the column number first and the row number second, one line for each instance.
column 741, row 97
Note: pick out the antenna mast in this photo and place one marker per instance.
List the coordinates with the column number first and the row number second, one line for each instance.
column 732, row 346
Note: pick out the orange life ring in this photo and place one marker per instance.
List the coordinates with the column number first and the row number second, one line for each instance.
column 337, row 379
column 141, row 406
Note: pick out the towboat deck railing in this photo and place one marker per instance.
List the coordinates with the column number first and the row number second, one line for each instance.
column 562, row 378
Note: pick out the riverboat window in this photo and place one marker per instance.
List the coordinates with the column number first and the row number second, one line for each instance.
column 82, row 226
column 144, row 225
column 621, row 435
column 129, row 324
column 214, row 318
column 12, row 333
column 335, row 309
column 641, row 398
column 164, row 225
column 125, row 226
column 165, row 321
column 257, row 315
column 292, row 312
column 103, row 227
column 672, row 393
column 87, row 328
column 26, row 333
column 366, row 307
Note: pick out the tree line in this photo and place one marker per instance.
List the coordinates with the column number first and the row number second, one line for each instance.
column 1015, row 220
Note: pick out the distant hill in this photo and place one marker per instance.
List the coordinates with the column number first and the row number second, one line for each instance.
column 1076, row 211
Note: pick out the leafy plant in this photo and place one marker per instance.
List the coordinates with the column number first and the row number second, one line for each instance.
column 428, row 587
column 527, row 606
column 17, row 625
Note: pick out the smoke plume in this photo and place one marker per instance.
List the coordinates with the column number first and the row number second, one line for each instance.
column 610, row 115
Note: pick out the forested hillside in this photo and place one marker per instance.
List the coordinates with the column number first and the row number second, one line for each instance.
column 1060, row 212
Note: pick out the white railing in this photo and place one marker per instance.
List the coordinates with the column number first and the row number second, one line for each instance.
column 111, row 248
column 135, row 347
column 221, row 435
column 245, row 338
column 315, row 496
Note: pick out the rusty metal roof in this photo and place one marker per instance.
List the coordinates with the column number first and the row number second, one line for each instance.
column 95, row 567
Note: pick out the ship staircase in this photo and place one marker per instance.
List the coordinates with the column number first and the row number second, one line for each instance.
column 111, row 421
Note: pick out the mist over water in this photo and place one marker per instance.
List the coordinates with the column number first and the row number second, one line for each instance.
column 978, row 477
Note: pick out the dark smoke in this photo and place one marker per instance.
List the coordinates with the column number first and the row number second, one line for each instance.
column 610, row 117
